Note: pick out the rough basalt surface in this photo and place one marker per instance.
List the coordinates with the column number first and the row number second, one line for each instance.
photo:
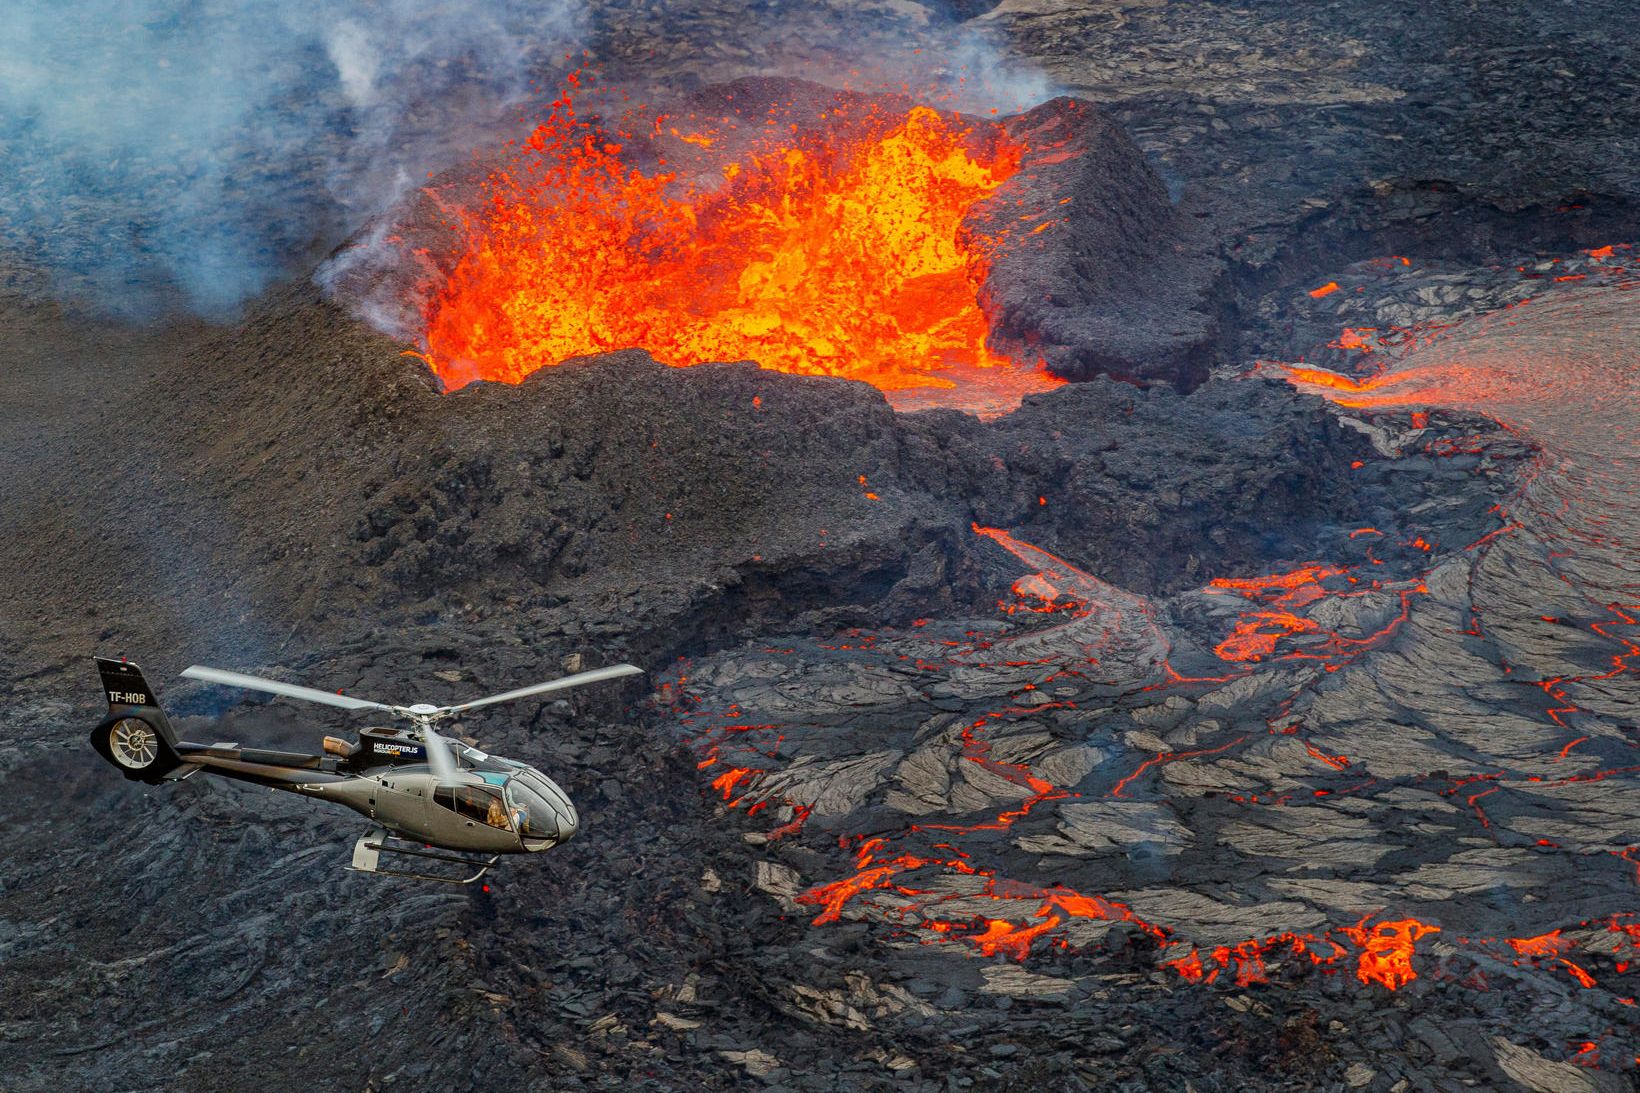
column 358, row 530
column 301, row 487
column 1100, row 273
column 289, row 495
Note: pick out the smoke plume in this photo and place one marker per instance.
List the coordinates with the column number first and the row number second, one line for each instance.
column 184, row 153
column 168, row 155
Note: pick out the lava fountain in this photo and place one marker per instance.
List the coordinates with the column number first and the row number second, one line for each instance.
column 839, row 252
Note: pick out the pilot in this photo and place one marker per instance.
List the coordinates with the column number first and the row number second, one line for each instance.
column 496, row 816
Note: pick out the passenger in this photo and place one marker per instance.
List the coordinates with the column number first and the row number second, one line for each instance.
column 497, row 816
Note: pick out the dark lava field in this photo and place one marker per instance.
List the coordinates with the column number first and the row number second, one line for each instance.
column 1257, row 709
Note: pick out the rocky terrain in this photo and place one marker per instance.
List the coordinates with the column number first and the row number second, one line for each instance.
column 1213, row 735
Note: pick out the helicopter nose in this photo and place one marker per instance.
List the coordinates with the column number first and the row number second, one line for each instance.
column 563, row 813
column 553, row 816
column 568, row 822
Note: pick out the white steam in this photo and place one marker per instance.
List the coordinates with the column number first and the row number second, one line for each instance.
column 187, row 152
column 922, row 48
column 356, row 61
column 164, row 154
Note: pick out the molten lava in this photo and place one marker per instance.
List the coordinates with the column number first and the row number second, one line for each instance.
column 1297, row 588
column 1256, row 635
column 844, row 255
column 1387, row 948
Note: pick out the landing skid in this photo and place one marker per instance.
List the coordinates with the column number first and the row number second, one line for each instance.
column 368, row 850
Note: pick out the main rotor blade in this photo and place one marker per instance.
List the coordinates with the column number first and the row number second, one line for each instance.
column 578, row 679
column 439, row 759
column 289, row 690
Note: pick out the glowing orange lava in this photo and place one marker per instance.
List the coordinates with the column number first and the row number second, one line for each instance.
column 1321, row 377
column 1386, row 956
column 1551, row 946
column 1294, row 589
column 1001, row 936
column 1256, row 635
column 842, row 256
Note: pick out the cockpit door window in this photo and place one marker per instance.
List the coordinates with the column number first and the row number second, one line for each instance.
column 478, row 803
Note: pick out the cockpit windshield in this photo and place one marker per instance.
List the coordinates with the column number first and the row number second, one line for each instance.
column 532, row 813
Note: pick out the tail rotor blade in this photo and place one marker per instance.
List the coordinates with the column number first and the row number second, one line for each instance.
column 596, row 675
column 288, row 690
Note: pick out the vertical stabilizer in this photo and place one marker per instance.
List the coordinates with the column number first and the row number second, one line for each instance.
column 124, row 686
column 136, row 736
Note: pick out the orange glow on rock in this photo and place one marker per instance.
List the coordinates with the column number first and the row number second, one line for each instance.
column 1001, row 936
column 726, row 782
column 1294, row 589
column 1189, row 967
column 1321, row 377
column 1387, row 949
column 1256, row 635
column 842, row 256
column 1353, row 339
column 1551, row 946
column 832, row 897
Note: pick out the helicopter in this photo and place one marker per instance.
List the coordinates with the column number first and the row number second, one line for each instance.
column 430, row 797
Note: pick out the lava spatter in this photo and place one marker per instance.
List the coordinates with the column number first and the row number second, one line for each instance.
column 840, row 253
column 1386, row 950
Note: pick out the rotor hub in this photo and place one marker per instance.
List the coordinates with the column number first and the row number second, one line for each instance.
column 421, row 709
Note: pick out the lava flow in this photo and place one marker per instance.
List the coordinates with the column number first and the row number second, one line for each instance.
column 843, row 253
column 1562, row 372
column 1054, row 772
column 928, row 880
column 1386, row 772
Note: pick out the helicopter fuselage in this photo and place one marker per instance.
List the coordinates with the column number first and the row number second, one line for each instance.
column 430, row 796
column 499, row 806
